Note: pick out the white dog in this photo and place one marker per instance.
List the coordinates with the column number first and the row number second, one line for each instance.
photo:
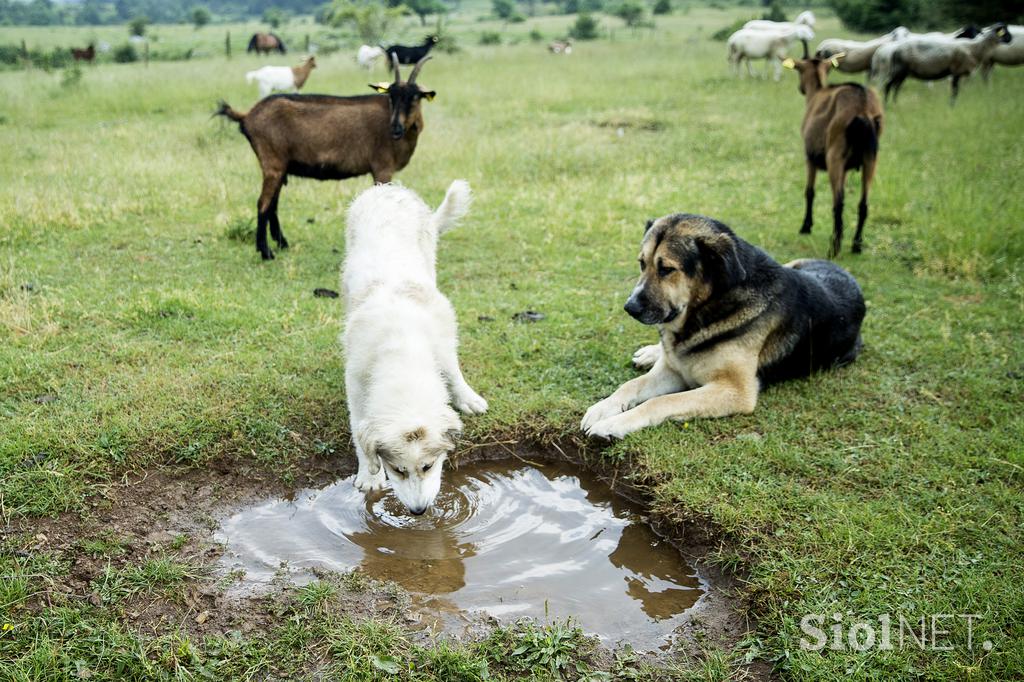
column 402, row 366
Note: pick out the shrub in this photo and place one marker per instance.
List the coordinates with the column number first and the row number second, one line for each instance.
column 722, row 34
column 58, row 58
column 536, row 36
column 585, row 28
column 368, row 19
column 504, row 9
column 10, row 55
column 631, row 12
column 200, row 16
column 125, row 54
column 876, row 15
column 137, row 26
column 774, row 12
column 490, row 38
column 274, row 16
column 662, row 7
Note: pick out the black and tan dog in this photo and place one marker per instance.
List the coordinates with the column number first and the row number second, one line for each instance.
column 731, row 321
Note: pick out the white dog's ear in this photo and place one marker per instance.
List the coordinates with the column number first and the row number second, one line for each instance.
column 368, row 444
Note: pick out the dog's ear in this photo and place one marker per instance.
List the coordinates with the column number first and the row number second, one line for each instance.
column 721, row 260
column 647, row 225
column 368, row 444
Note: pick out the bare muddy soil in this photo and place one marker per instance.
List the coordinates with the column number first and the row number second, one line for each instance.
column 174, row 512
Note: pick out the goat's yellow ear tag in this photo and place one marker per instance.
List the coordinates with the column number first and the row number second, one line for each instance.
column 380, row 87
column 789, row 63
column 835, row 63
column 429, row 96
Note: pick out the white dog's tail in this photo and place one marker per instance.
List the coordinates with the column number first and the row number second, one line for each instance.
column 250, row 77
column 454, row 207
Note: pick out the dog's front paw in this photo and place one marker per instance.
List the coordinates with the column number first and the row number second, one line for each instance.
column 469, row 401
column 600, row 411
column 367, row 482
column 618, row 427
column 645, row 357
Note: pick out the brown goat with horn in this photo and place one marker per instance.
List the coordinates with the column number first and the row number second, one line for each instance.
column 330, row 138
column 841, row 128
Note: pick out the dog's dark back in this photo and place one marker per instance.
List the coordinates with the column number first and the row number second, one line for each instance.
column 821, row 309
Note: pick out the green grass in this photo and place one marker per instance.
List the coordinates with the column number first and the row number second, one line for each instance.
column 890, row 487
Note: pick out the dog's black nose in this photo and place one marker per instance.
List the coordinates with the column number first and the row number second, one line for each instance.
column 634, row 307
column 417, row 511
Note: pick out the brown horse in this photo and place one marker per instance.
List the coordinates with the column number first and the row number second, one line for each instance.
column 265, row 43
column 86, row 55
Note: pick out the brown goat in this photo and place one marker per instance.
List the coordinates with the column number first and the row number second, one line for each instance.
column 841, row 129
column 330, row 138
column 301, row 72
column 86, row 55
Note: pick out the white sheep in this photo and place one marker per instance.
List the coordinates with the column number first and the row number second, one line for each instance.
column 858, row 54
column 1007, row 54
column 802, row 19
column 752, row 43
column 881, row 60
column 284, row 78
column 368, row 55
column 935, row 58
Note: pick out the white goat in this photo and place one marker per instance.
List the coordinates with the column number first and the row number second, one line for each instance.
column 752, row 43
column 1007, row 54
column 858, row 53
column 368, row 55
column 271, row 78
column 934, row 58
column 560, row 47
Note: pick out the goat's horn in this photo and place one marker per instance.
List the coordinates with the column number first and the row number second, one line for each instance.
column 416, row 69
column 394, row 65
column 807, row 50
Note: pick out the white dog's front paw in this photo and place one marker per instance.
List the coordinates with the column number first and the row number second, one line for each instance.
column 468, row 401
column 367, row 482
column 599, row 411
column 618, row 426
column 645, row 357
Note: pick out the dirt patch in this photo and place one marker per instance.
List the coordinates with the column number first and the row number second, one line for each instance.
column 164, row 521
column 631, row 119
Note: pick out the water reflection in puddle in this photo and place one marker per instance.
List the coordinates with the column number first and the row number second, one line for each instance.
column 506, row 538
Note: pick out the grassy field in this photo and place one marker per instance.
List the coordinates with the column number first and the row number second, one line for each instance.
column 139, row 329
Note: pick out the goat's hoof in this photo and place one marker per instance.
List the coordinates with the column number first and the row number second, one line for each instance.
column 267, row 255
column 855, row 249
column 806, row 229
column 282, row 243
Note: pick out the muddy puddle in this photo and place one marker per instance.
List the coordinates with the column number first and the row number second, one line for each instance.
column 505, row 538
